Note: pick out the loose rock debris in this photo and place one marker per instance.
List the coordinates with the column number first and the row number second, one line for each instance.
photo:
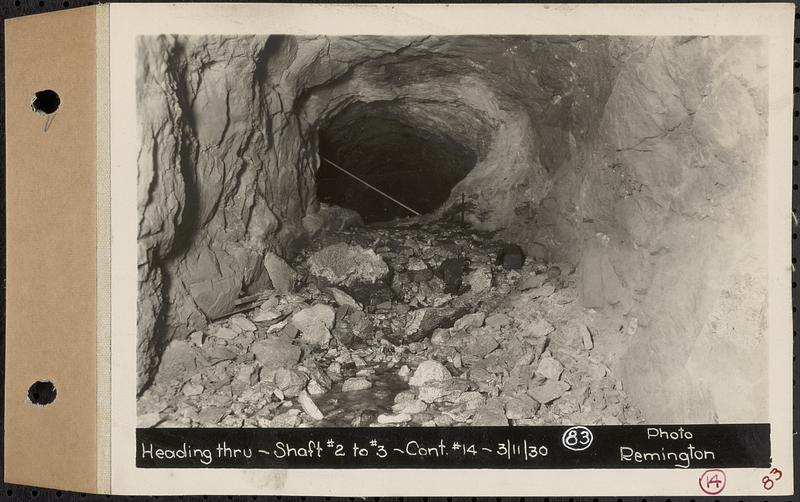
column 398, row 325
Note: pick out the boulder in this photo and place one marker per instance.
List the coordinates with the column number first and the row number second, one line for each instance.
column 281, row 274
column 354, row 384
column 276, row 353
column 429, row 371
column 480, row 280
column 359, row 272
column 550, row 368
column 315, row 323
column 309, row 406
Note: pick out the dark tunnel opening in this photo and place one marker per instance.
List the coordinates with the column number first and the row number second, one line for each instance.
column 383, row 145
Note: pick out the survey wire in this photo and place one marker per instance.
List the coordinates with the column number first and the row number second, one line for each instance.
column 370, row 186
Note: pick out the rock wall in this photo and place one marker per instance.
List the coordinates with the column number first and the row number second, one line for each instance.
column 660, row 210
column 640, row 159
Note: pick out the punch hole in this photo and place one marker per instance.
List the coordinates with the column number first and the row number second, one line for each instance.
column 42, row 393
column 45, row 102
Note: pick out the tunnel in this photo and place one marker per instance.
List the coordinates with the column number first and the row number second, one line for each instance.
column 621, row 175
column 388, row 148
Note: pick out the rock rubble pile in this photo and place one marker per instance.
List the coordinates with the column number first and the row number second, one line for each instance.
column 400, row 324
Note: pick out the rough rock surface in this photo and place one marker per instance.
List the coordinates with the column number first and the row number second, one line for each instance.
column 360, row 272
column 639, row 159
column 483, row 371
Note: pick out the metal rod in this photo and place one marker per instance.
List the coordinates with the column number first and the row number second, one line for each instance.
column 370, row 186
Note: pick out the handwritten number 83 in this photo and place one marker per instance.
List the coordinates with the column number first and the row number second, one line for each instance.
column 767, row 482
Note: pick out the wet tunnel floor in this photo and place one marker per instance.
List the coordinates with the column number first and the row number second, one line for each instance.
column 512, row 347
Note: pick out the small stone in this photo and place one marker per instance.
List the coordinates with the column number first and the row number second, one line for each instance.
column 442, row 390
column 212, row 414
column 394, row 419
column 243, row 323
column 404, row 372
column 225, row 333
column 315, row 388
column 554, row 272
column 542, row 292
column 498, row 320
column 521, row 407
column 550, row 368
column 480, row 347
column 309, row 406
column 276, row 353
column 314, row 323
column 586, row 335
column 218, row 353
column 291, row 382
column 410, row 407
column 532, row 281
column 404, row 396
column 248, row 374
column 415, row 264
column 480, row 280
column 343, row 298
column 354, row 384
column 429, row 371
column 423, row 418
column 470, row 321
column 422, row 322
column 472, row 400
column 262, row 315
column 285, row 420
column 492, row 414
column 289, row 331
column 443, row 420
column 549, row 392
column 440, row 336
column 197, row 338
column 538, row 328
column 282, row 276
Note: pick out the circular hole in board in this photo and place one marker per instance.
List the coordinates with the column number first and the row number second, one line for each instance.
column 45, row 102
column 42, row 393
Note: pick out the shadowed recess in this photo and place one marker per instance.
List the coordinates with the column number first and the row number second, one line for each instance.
column 389, row 146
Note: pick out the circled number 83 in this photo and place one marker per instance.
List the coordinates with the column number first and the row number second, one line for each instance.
column 577, row 438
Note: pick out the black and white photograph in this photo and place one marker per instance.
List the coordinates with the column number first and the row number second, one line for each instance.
column 451, row 230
